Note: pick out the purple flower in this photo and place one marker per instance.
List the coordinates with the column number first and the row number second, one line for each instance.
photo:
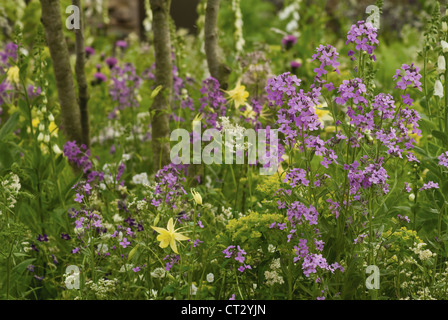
column 76, row 250
column 408, row 75
column 121, row 44
column 79, row 197
column 136, row 269
column 289, row 41
column 42, row 238
column 403, row 218
column 232, row 297
column 443, row 159
column 430, row 185
column 65, row 236
column 111, row 62
column 364, row 35
column 100, row 77
column 89, row 51
column 124, row 243
column 296, row 176
column 33, row 91
column 30, row 268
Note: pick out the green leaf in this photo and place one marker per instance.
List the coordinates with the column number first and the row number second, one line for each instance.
column 440, row 135
column 156, row 91
column 9, row 126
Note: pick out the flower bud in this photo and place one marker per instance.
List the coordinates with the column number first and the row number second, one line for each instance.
column 412, row 197
column 441, row 67
column 438, row 89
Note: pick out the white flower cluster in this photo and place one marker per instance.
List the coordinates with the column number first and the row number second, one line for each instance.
column 422, row 254
column 238, row 35
column 141, row 178
column 273, row 277
column 291, row 12
column 102, row 288
column 225, row 216
column 158, row 273
column 11, row 187
column 234, row 133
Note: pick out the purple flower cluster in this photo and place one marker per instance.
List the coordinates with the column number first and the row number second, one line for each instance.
column 327, row 56
column 372, row 174
column 80, row 156
column 172, row 260
column 169, row 186
column 311, row 261
column 212, row 102
column 297, row 213
column 443, row 159
column 408, row 75
column 10, row 52
column 239, row 256
column 364, row 35
column 125, row 84
column 296, row 176
column 430, row 185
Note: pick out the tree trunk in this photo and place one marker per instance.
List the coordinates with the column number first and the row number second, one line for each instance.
column 71, row 119
column 164, row 77
column 83, row 94
column 217, row 68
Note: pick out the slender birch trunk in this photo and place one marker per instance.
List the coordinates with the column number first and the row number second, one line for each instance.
column 70, row 113
column 217, row 68
column 164, row 77
column 83, row 94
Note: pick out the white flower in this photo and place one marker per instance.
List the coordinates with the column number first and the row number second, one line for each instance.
column 51, row 117
column 438, row 89
column 210, row 277
column 193, row 289
column 117, row 218
column 141, row 178
column 56, row 149
column 441, row 64
column 102, row 248
column 47, row 138
column 40, row 137
column 444, row 45
column 158, row 273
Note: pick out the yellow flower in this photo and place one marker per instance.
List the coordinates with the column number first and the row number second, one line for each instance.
column 196, row 196
column 13, row 75
column 53, row 128
column 169, row 236
column 35, row 122
column 238, row 95
column 322, row 114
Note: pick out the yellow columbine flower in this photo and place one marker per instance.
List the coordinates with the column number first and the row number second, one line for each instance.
column 249, row 113
column 196, row 197
column 169, row 236
column 238, row 95
column 13, row 75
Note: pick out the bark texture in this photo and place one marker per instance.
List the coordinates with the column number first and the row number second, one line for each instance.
column 164, row 77
column 83, row 94
column 70, row 113
column 217, row 68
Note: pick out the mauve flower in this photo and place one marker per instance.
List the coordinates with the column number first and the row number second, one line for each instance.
column 111, row 62
column 100, row 77
column 121, row 44
column 289, row 41
column 89, row 51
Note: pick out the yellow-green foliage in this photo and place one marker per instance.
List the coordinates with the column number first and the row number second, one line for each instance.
column 252, row 226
